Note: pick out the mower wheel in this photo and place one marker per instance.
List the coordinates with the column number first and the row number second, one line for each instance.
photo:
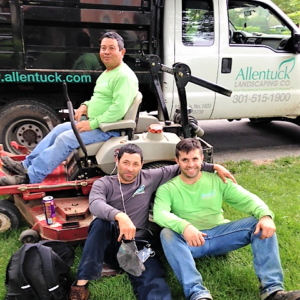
column 10, row 217
column 29, row 236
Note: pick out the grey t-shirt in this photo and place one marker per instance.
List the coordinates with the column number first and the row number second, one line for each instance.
column 105, row 199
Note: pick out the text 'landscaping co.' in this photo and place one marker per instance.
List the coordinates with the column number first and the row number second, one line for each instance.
column 44, row 78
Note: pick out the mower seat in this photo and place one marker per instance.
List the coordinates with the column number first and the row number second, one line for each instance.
column 126, row 126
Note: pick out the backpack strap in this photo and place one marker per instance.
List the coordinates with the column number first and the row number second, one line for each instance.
column 25, row 286
column 49, row 259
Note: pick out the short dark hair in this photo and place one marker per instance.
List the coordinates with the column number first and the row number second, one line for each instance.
column 131, row 149
column 114, row 36
column 187, row 145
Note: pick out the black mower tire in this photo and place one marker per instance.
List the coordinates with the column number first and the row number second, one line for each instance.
column 10, row 217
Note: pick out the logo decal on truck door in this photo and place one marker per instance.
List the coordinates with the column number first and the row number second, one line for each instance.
column 248, row 77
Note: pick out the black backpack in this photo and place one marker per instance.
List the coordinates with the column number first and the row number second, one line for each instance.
column 39, row 271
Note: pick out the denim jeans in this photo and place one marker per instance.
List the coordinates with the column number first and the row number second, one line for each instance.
column 102, row 245
column 221, row 240
column 56, row 146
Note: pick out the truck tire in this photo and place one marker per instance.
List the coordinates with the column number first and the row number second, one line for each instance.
column 10, row 217
column 23, row 122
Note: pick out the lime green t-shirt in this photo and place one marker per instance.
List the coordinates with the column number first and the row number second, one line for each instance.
column 178, row 204
column 113, row 95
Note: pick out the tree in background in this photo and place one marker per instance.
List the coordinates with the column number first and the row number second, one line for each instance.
column 291, row 8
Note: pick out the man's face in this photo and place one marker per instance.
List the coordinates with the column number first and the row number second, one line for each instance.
column 190, row 163
column 110, row 54
column 129, row 167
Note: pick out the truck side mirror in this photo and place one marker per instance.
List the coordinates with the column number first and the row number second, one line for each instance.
column 296, row 42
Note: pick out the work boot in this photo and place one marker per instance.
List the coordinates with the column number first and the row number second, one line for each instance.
column 14, row 180
column 282, row 295
column 79, row 292
column 108, row 270
column 13, row 165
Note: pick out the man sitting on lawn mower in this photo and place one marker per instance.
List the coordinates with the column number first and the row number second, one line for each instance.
column 121, row 204
column 113, row 94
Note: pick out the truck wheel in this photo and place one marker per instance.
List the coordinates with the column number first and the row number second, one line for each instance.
column 29, row 236
column 10, row 217
column 22, row 121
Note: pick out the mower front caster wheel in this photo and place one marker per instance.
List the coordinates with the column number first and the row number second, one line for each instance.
column 29, row 236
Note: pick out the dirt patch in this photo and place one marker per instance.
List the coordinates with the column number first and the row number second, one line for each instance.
column 263, row 162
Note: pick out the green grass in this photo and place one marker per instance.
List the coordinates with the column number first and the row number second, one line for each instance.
column 229, row 277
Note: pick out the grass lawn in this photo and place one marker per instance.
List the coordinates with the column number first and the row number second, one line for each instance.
column 229, row 277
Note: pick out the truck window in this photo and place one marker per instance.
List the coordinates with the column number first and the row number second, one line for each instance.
column 252, row 24
column 197, row 23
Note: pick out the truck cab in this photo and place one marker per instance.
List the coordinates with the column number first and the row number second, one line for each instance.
column 249, row 47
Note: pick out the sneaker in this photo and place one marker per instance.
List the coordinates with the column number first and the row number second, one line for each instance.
column 13, row 165
column 79, row 292
column 14, row 180
column 282, row 295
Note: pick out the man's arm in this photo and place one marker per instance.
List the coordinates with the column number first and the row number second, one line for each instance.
column 98, row 205
column 162, row 214
column 100, row 208
column 222, row 172
column 123, row 94
column 164, row 174
column 127, row 228
column 267, row 227
column 82, row 110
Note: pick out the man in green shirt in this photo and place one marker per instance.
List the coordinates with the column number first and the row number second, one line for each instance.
column 113, row 94
column 189, row 206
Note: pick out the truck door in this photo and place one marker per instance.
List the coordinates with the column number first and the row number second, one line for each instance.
column 190, row 38
column 256, row 61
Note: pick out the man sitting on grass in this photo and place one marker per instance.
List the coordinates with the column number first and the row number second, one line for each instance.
column 189, row 206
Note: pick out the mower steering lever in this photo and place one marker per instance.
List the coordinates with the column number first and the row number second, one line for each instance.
column 183, row 76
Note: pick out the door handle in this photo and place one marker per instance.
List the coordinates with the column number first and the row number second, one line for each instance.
column 226, row 65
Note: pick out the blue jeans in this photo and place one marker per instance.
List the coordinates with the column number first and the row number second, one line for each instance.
column 102, row 245
column 221, row 240
column 56, row 146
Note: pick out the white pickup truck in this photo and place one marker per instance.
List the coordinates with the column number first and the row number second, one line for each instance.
column 249, row 47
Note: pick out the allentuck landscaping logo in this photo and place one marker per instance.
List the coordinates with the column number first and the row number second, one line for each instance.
column 252, row 79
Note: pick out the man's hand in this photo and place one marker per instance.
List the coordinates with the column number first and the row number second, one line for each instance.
column 83, row 126
column 193, row 236
column 127, row 228
column 82, row 110
column 223, row 173
column 267, row 227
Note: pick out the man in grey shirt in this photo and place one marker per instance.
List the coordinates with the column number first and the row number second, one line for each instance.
column 121, row 204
